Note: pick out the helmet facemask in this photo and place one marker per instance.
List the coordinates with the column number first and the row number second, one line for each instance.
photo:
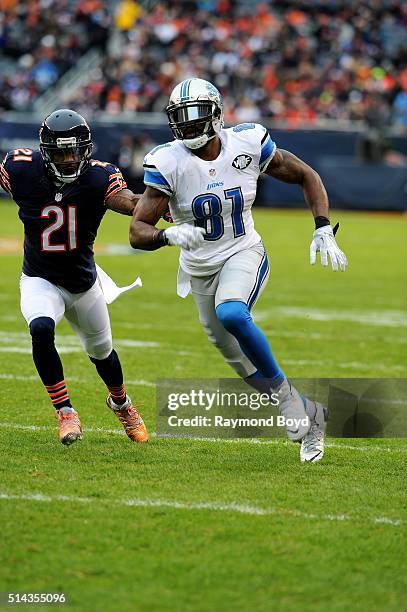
column 194, row 122
column 66, row 158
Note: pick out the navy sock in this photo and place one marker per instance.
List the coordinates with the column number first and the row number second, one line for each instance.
column 110, row 371
column 47, row 360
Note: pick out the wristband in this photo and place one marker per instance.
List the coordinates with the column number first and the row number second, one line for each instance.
column 160, row 238
column 321, row 222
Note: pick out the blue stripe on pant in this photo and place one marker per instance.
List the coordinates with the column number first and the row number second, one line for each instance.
column 261, row 275
column 236, row 318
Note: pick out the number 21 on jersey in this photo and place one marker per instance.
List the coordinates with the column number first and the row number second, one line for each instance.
column 59, row 221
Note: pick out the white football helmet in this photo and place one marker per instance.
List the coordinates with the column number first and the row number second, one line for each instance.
column 195, row 112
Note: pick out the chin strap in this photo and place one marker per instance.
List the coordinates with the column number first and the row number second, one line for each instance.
column 197, row 143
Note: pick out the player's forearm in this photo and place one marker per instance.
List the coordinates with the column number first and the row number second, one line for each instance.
column 150, row 208
column 315, row 194
column 123, row 202
column 145, row 236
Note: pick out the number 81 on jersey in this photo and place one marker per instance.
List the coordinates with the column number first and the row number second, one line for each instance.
column 207, row 210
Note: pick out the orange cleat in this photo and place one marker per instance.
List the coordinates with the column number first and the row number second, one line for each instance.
column 130, row 419
column 69, row 426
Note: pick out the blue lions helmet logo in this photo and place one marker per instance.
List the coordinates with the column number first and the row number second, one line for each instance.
column 212, row 90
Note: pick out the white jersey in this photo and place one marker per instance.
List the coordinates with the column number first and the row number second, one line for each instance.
column 217, row 195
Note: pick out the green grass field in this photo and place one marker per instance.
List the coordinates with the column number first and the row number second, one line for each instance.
column 201, row 525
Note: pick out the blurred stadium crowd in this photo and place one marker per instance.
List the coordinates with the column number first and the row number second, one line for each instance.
column 298, row 62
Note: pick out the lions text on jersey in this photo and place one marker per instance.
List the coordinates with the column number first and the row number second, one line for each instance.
column 60, row 222
column 217, row 195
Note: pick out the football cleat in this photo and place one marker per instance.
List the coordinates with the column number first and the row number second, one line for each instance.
column 130, row 419
column 312, row 445
column 69, row 425
column 292, row 408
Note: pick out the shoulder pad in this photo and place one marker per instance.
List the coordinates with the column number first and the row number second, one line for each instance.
column 159, row 147
column 164, row 157
column 241, row 127
column 20, row 164
column 160, row 167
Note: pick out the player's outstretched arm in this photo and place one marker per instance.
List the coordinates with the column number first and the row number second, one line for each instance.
column 123, row 202
column 143, row 233
column 150, row 208
column 286, row 167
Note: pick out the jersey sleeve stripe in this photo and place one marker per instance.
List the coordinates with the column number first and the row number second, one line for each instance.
column 151, row 166
column 265, row 137
column 5, row 186
column 4, row 180
column 111, row 192
column 4, row 171
column 266, row 147
column 156, row 179
column 112, row 184
column 119, row 181
column 116, row 186
column 267, row 152
column 4, row 177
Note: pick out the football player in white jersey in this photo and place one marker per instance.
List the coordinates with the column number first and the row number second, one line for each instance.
column 208, row 178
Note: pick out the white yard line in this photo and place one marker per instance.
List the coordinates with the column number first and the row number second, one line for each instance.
column 377, row 318
column 139, row 383
column 345, row 365
column 309, row 335
column 21, row 340
column 90, row 430
column 34, row 378
column 283, row 441
column 215, row 506
column 28, row 377
column 63, row 350
column 103, row 430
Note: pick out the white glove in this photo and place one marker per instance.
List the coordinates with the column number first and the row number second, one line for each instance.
column 185, row 236
column 323, row 241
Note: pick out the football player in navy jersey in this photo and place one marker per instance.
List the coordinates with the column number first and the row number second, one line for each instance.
column 62, row 195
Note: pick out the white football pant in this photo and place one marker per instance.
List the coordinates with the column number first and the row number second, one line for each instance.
column 86, row 312
column 242, row 278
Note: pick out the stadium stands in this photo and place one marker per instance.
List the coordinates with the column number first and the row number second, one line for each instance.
column 40, row 40
column 302, row 62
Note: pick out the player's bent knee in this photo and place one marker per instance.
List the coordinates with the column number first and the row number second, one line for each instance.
column 42, row 329
column 233, row 315
column 108, row 360
column 99, row 350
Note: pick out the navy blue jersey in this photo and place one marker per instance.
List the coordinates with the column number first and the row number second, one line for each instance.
column 60, row 222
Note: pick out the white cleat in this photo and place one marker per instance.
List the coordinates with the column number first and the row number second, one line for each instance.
column 292, row 408
column 313, row 443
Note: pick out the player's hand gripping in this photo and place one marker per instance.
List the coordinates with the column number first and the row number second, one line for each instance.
column 323, row 241
column 185, row 236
